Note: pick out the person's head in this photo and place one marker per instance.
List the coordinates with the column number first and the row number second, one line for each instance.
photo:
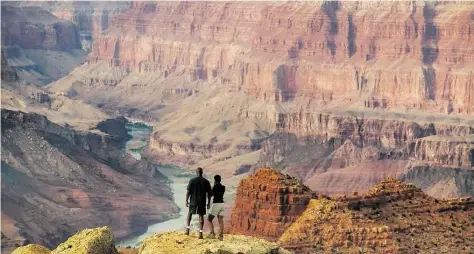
column 217, row 178
column 199, row 171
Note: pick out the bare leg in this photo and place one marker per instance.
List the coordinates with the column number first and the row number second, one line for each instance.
column 188, row 219
column 201, row 222
column 210, row 218
column 221, row 225
column 188, row 222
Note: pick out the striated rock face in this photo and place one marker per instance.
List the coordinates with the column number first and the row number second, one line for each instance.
column 409, row 54
column 441, row 182
column 267, row 203
column 343, row 88
column 394, row 217
column 39, row 45
column 335, row 230
column 332, row 152
column 21, row 27
column 446, row 150
column 84, row 179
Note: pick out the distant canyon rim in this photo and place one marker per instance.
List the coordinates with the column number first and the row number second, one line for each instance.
column 338, row 94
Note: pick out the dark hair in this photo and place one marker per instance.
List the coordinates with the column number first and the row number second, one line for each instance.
column 217, row 178
column 199, row 171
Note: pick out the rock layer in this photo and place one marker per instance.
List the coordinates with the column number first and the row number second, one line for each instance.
column 36, row 28
column 220, row 76
column 408, row 55
column 340, row 147
column 394, row 217
column 267, row 203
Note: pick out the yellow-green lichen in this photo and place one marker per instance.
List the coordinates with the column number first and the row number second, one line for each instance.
column 89, row 241
column 177, row 242
column 32, row 249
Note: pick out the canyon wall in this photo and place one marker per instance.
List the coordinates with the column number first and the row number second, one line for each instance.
column 332, row 152
column 336, row 93
column 57, row 181
column 35, row 28
column 377, row 55
column 39, row 45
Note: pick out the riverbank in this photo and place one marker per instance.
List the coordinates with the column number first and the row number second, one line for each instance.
column 140, row 133
column 178, row 187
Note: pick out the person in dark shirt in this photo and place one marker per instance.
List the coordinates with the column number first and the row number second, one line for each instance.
column 198, row 188
column 217, row 208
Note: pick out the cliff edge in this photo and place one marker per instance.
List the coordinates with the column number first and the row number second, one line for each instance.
column 101, row 241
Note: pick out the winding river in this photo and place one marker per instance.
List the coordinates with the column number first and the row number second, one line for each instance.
column 140, row 134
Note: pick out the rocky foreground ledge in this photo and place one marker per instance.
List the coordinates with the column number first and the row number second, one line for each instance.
column 102, row 241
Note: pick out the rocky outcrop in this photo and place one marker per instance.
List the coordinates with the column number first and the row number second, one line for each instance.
column 101, row 241
column 32, row 249
column 173, row 242
column 267, row 203
column 93, row 241
column 115, row 127
column 393, row 217
column 8, row 73
column 82, row 178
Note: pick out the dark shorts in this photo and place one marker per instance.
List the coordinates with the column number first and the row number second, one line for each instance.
column 201, row 210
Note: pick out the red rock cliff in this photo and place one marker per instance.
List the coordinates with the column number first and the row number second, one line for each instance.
column 267, row 203
column 394, row 217
column 379, row 54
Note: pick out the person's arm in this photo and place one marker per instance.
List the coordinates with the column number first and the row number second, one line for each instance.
column 209, row 195
column 188, row 193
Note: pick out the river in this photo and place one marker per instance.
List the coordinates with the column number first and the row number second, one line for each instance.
column 179, row 178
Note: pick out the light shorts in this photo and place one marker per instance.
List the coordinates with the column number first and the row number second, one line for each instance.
column 217, row 209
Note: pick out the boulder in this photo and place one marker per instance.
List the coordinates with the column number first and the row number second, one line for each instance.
column 89, row 241
column 32, row 249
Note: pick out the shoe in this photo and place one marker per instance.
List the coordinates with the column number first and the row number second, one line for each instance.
column 200, row 235
column 211, row 236
column 187, row 232
column 221, row 238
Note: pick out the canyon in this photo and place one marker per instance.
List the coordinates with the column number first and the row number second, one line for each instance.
column 336, row 93
column 339, row 95
column 392, row 217
column 77, row 179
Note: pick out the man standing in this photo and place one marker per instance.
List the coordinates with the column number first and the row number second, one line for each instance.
column 217, row 208
column 198, row 188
